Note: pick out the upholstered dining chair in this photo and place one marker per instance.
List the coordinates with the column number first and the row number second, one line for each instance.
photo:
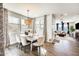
column 18, row 41
column 25, row 44
column 39, row 44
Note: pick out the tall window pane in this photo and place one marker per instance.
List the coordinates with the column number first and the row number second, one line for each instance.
column 39, row 26
column 13, row 28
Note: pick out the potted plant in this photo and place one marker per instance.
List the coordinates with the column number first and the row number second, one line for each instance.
column 72, row 29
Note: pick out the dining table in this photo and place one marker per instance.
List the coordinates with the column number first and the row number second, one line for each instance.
column 32, row 39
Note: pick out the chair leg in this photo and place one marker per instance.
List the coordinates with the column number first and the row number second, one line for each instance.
column 19, row 45
column 39, row 50
column 29, row 47
column 26, row 48
column 22, row 47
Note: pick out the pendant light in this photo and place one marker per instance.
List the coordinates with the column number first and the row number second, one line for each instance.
column 28, row 21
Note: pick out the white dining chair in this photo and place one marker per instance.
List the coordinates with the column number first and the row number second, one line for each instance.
column 24, row 42
column 18, row 40
column 39, row 44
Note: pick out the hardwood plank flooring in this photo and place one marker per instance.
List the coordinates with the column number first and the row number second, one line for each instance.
column 66, row 46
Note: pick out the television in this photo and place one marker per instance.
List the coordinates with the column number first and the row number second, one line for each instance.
column 77, row 26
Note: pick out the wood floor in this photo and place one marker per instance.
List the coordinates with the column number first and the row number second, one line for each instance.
column 66, row 46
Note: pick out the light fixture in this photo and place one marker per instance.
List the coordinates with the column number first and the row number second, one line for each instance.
column 61, row 17
column 28, row 21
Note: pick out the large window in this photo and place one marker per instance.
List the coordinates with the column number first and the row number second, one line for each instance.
column 16, row 26
column 60, row 27
column 65, row 27
column 13, row 28
column 13, row 24
column 39, row 26
column 13, row 20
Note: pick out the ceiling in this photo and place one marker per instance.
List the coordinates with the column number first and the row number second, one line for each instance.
column 40, row 9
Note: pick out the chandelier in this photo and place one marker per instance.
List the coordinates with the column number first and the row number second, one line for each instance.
column 28, row 21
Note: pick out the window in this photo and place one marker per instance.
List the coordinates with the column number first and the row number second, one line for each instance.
column 39, row 26
column 13, row 24
column 13, row 28
column 60, row 27
column 65, row 27
column 13, row 20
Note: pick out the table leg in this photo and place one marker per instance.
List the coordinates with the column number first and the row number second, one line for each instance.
column 31, row 46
